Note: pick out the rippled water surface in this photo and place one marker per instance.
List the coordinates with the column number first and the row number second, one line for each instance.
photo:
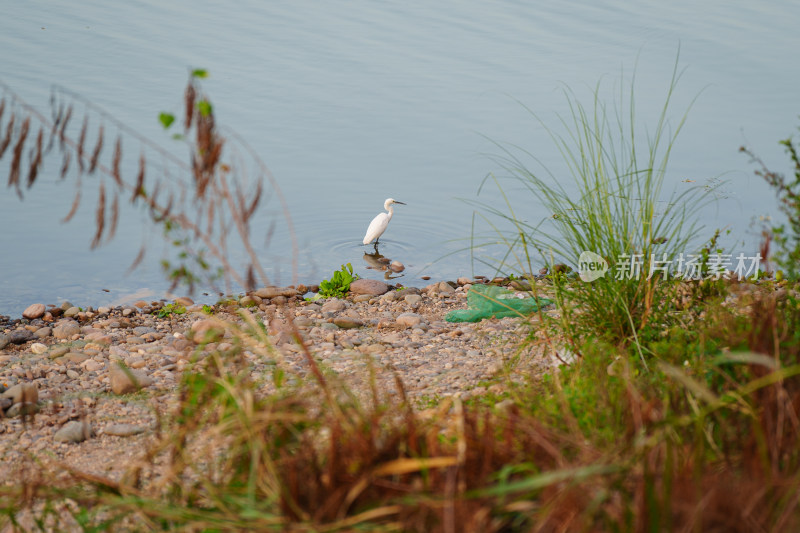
column 351, row 104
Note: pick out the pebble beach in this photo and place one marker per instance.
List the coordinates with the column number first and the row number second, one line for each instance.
column 94, row 379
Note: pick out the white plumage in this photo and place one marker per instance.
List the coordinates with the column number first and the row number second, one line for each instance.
column 379, row 223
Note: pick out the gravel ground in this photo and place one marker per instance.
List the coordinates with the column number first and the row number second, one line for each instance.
column 91, row 417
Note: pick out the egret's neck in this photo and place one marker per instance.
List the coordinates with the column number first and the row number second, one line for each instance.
column 390, row 209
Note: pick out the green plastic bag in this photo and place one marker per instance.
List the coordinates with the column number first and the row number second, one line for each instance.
column 487, row 301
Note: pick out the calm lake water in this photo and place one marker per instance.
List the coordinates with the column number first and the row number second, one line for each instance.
column 349, row 104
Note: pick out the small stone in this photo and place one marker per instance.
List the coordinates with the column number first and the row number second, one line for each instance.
column 463, row 281
column 20, row 336
column 445, row 288
column 41, row 333
column 58, row 351
column 143, row 330
column 75, row 357
column 136, row 362
column 375, row 348
column 34, row 311
column 65, row 329
column 334, row 306
column 103, row 310
column 369, row 286
column 397, row 266
column 413, row 299
column 38, row 348
column 124, row 380
column 22, row 393
column 346, row 322
column 98, row 340
column 19, row 409
column 66, row 305
column 127, row 311
column 184, row 301
column 204, row 330
column 118, row 352
column 123, row 430
column 389, row 296
column 91, row 365
column 74, row 432
column 358, row 298
column 72, row 311
column 140, row 304
column 409, row 320
column 4, row 340
column 268, row 292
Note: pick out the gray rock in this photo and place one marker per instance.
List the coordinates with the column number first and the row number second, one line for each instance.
column 41, row 333
column 65, row 329
column 124, row 430
column 58, row 351
column 103, row 310
column 413, row 299
column 75, row 357
column 402, row 293
column 143, row 330
column 409, row 320
column 369, row 286
column 334, row 306
column 389, row 296
column 4, row 340
column 445, row 288
column 74, row 432
column 124, row 380
column 118, row 352
column 34, row 311
column 72, row 311
column 20, row 336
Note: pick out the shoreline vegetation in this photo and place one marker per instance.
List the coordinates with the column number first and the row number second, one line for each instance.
column 634, row 403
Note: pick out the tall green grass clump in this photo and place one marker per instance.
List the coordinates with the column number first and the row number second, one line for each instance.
column 612, row 202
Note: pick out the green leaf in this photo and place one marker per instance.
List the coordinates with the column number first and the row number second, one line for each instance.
column 166, row 119
column 199, row 73
column 178, row 136
column 204, row 106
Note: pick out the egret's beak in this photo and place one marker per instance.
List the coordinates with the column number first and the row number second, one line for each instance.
column 401, row 203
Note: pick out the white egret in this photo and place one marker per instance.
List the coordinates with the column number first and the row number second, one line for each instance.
column 379, row 223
